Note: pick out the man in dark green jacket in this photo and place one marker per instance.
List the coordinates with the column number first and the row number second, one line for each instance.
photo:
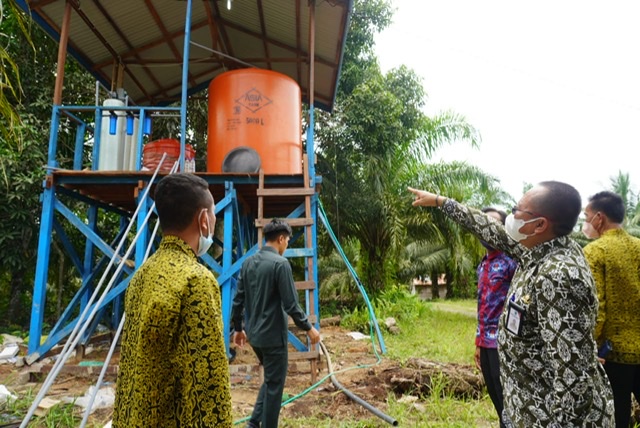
column 266, row 287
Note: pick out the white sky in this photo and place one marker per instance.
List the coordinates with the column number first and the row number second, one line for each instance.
column 552, row 86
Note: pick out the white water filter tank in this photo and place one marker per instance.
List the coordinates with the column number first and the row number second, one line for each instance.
column 131, row 147
column 112, row 145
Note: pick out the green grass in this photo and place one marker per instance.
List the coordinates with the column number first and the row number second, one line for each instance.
column 470, row 305
column 63, row 415
column 437, row 335
column 445, row 332
column 441, row 410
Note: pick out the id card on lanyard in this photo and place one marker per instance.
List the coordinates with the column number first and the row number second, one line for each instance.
column 515, row 317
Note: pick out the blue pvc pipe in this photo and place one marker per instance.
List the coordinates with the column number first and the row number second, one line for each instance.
column 185, row 83
column 372, row 315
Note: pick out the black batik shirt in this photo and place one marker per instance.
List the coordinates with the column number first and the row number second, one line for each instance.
column 549, row 371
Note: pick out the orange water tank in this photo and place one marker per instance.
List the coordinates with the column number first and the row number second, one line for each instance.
column 254, row 122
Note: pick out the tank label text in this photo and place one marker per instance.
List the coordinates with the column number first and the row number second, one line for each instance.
column 253, row 100
column 255, row 121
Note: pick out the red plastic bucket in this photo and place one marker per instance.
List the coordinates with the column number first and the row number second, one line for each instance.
column 153, row 151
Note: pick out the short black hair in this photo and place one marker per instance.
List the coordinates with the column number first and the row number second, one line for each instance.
column 609, row 203
column 502, row 214
column 179, row 197
column 275, row 228
column 561, row 203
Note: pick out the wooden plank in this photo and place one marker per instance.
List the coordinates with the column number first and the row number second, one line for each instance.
column 300, row 191
column 45, row 406
column 305, row 285
column 293, row 222
column 308, row 355
column 260, row 206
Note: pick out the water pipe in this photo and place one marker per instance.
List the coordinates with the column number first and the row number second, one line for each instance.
column 372, row 315
column 354, row 397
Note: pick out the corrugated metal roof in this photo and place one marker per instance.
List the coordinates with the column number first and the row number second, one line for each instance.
column 147, row 37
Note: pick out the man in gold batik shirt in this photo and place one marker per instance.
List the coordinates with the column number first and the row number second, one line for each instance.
column 614, row 258
column 173, row 366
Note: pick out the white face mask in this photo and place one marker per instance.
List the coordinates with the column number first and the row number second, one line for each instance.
column 513, row 225
column 204, row 243
column 589, row 231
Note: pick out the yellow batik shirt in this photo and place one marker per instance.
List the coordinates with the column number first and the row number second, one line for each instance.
column 173, row 367
column 615, row 263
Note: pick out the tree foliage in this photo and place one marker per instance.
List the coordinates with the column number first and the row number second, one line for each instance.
column 12, row 25
column 22, row 160
column 373, row 145
column 621, row 184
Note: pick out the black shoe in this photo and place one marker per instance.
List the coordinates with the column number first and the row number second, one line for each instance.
column 252, row 425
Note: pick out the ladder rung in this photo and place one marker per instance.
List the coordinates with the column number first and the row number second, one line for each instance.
column 307, row 355
column 293, row 222
column 292, row 191
column 305, row 285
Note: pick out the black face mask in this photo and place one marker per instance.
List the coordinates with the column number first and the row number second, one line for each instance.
column 486, row 245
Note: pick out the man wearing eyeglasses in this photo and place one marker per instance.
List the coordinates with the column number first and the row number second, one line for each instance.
column 614, row 258
column 549, row 370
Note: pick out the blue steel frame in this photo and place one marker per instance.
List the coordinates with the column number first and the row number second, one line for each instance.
column 239, row 240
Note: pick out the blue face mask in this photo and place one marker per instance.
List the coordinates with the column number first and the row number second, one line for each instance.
column 205, row 242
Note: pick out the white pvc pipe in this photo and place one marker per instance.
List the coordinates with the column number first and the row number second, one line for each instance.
column 87, row 411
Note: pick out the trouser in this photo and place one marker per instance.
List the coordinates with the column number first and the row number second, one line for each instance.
column 491, row 372
column 624, row 379
column 275, row 362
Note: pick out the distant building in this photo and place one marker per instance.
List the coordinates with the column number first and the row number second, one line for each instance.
column 423, row 287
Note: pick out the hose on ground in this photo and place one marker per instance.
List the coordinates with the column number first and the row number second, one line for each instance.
column 353, row 396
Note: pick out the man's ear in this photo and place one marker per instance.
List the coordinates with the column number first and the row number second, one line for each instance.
column 201, row 219
column 543, row 225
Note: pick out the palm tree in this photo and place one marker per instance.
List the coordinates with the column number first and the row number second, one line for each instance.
column 368, row 147
column 464, row 183
column 11, row 19
column 423, row 259
column 621, row 184
column 336, row 283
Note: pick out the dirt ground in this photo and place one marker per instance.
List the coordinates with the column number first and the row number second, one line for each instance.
column 325, row 401
column 370, row 383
